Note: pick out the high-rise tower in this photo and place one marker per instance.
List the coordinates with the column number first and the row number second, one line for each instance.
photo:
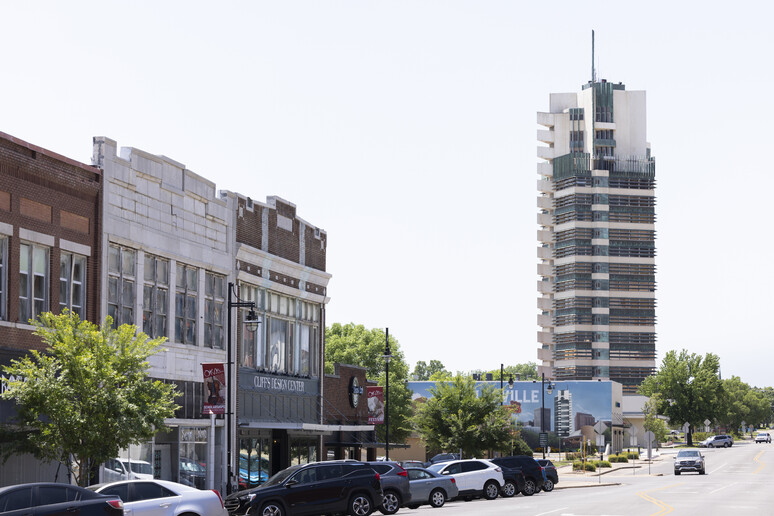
column 596, row 201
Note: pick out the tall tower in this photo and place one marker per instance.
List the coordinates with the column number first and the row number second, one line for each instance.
column 563, row 413
column 596, row 201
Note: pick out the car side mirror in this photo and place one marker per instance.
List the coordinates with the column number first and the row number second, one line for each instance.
column 291, row 482
column 446, row 473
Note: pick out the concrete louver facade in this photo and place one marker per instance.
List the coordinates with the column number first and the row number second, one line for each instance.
column 596, row 202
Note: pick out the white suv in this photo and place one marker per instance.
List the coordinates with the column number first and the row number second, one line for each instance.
column 474, row 477
column 762, row 437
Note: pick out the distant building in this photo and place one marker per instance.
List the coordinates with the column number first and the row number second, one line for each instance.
column 596, row 201
column 563, row 413
column 582, row 419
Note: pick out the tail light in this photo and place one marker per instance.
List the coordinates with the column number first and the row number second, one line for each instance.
column 378, row 477
column 219, row 497
column 116, row 504
column 453, row 481
column 402, row 473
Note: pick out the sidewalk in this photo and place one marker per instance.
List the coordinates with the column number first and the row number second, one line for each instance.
column 569, row 479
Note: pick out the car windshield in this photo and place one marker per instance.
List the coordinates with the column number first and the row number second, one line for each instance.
column 687, row 453
column 436, row 467
column 280, row 477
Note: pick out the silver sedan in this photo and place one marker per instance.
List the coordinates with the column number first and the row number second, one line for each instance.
column 163, row 498
column 428, row 487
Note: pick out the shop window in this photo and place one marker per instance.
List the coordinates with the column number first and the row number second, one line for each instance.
column 192, row 470
column 254, row 463
column 33, row 281
column 121, row 285
column 155, row 298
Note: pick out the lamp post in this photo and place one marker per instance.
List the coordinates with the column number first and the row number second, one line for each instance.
column 252, row 322
column 543, row 408
column 387, row 357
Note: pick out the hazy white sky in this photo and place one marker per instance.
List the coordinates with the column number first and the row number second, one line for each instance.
column 407, row 131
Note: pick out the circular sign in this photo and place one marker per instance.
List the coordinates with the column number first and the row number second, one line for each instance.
column 355, row 391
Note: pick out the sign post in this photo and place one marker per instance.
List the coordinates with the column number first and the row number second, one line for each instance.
column 649, row 436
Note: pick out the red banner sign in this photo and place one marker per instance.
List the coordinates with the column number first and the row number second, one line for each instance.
column 214, row 389
column 375, row 396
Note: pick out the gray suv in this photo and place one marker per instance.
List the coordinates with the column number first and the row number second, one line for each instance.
column 717, row 441
column 395, row 485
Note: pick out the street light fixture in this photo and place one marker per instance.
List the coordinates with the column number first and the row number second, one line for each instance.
column 251, row 322
column 550, row 389
column 387, row 357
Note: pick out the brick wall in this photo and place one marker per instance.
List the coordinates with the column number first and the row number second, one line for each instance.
column 56, row 197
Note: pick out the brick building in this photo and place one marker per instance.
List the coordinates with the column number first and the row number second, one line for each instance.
column 50, row 227
column 346, row 414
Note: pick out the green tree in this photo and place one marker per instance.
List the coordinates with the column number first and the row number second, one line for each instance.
column 653, row 423
column 356, row 345
column 687, row 388
column 768, row 394
column 527, row 371
column 742, row 403
column 423, row 371
column 88, row 395
column 457, row 418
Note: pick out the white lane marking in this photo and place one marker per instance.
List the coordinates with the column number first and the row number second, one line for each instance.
column 719, row 468
column 723, row 487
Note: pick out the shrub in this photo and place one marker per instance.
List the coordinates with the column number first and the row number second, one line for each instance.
column 521, row 448
column 604, row 464
column 617, row 458
column 578, row 466
column 632, row 455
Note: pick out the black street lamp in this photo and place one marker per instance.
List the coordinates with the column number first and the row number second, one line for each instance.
column 252, row 322
column 387, row 357
column 543, row 388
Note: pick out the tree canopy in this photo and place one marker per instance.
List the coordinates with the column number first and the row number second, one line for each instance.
column 423, row 371
column 88, row 395
column 356, row 345
column 743, row 403
column 457, row 418
column 687, row 388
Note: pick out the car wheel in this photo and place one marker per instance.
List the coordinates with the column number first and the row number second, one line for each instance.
column 491, row 490
column 701, row 472
column 677, row 472
column 529, row 487
column 360, row 505
column 509, row 489
column 271, row 509
column 710, row 446
column 391, row 503
column 726, row 445
column 548, row 485
column 437, row 498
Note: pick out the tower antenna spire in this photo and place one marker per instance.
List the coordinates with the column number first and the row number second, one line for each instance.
column 593, row 75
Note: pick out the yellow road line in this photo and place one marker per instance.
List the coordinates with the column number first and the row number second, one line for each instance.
column 664, row 508
column 762, row 464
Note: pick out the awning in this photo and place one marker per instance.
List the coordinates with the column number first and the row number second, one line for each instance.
column 312, row 428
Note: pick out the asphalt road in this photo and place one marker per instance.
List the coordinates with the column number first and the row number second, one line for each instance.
column 739, row 481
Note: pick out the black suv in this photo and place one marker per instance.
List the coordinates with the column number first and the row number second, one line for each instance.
column 552, row 476
column 329, row 487
column 534, row 477
column 395, row 485
column 48, row 498
column 513, row 482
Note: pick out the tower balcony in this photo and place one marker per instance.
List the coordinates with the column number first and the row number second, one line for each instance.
column 545, row 202
column 544, row 253
column 545, row 136
column 545, row 152
column 544, row 236
column 544, row 269
column 545, row 287
column 544, row 321
column 545, row 303
column 545, row 219
column 545, row 186
column 545, row 168
column 545, row 119
column 544, row 355
column 545, row 337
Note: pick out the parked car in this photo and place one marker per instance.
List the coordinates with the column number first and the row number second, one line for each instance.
column 716, row 441
column 552, row 476
column 474, row 477
column 124, row 469
column 442, row 457
column 192, row 473
column 395, row 485
column 763, row 437
column 429, row 487
column 48, row 498
column 689, row 460
column 533, row 473
column 345, row 486
column 163, row 498
column 513, row 482
column 412, row 464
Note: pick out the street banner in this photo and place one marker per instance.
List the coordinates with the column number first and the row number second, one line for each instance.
column 214, row 389
column 375, row 396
